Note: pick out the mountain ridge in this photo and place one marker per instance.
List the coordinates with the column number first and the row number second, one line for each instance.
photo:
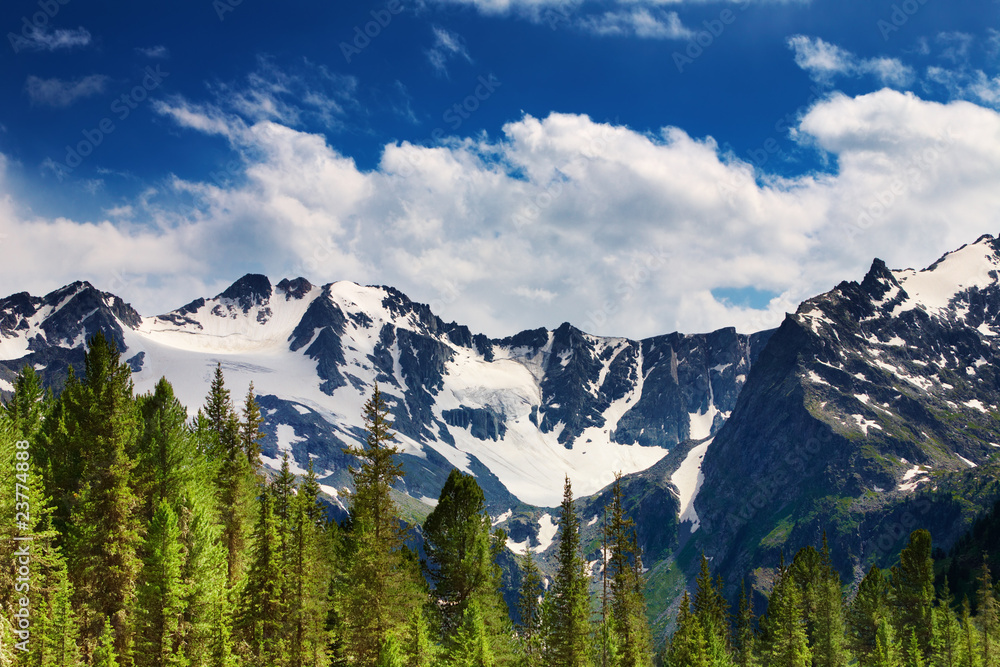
column 548, row 401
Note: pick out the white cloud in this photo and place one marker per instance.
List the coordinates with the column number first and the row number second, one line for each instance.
column 825, row 61
column 158, row 52
column 965, row 83
column 635, row 18
column 447, row 45
column 637, row 22
column 288, row 95
column 47, row 39
column 955, row 46
column 59, row 93
column 560, row 218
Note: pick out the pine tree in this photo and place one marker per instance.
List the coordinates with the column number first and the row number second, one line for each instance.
column 104, row 520
column 688, row 647
column 989, row 617
column 461, row 560
column 947, row 632
column 161, row 596
column 530, row 609
column 60, row 633
column 250, row 431
column 260, row 622
column 912, row 591
column 378, row 586
column 171, row 470
column 235, row 479
column 712, row 610
column 53, row 630
column 870, row 605
column 419, row 649
column 104, row 654
column 310, row 575
column 828, row 624
column 630, row 628
column 746, row 637
column 471, row 645
column 787, row 644
column 566, row 609
column 887, row 653
column 28, row 406
column 969, row 648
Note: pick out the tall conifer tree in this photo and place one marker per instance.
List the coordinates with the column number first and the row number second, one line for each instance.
column 567, row 605
column 378, row 587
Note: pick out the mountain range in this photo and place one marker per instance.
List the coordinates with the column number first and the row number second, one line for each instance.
column 871, row 410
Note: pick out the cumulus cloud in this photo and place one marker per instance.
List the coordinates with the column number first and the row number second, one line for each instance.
column 556, row 219
column 825, row 61
column 62, row 93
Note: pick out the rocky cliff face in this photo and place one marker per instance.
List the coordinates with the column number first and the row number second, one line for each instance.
column 863, row 401
column 518, row 412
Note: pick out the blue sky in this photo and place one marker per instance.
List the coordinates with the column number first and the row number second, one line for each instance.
column 632, row 166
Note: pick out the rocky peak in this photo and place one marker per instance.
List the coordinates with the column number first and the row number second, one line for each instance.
column 250, row 290
column 295, row 289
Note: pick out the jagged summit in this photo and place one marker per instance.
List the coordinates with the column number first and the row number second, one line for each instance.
column 250, row 290
column 860, row 396
column 518, row 412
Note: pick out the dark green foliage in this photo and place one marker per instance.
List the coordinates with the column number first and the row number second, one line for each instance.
column 786, row 642
column 947, row 632
column 102, row 425
column 870, row 605
column 712, row 610
column 566, row 610
column 912, row 593
column 250, row 433
column 161, row 596
column 688, row 647
column 457, row 541
column 745, row 649
column 259, row 627
column 104, row 654
column 310, row 571
column 530, row 609
column 629, row 628
column 989, row 617
column 378, row 586
column 235, row 478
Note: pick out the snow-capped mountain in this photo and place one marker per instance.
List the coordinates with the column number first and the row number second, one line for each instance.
column 865, row 401
column 519, row 412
